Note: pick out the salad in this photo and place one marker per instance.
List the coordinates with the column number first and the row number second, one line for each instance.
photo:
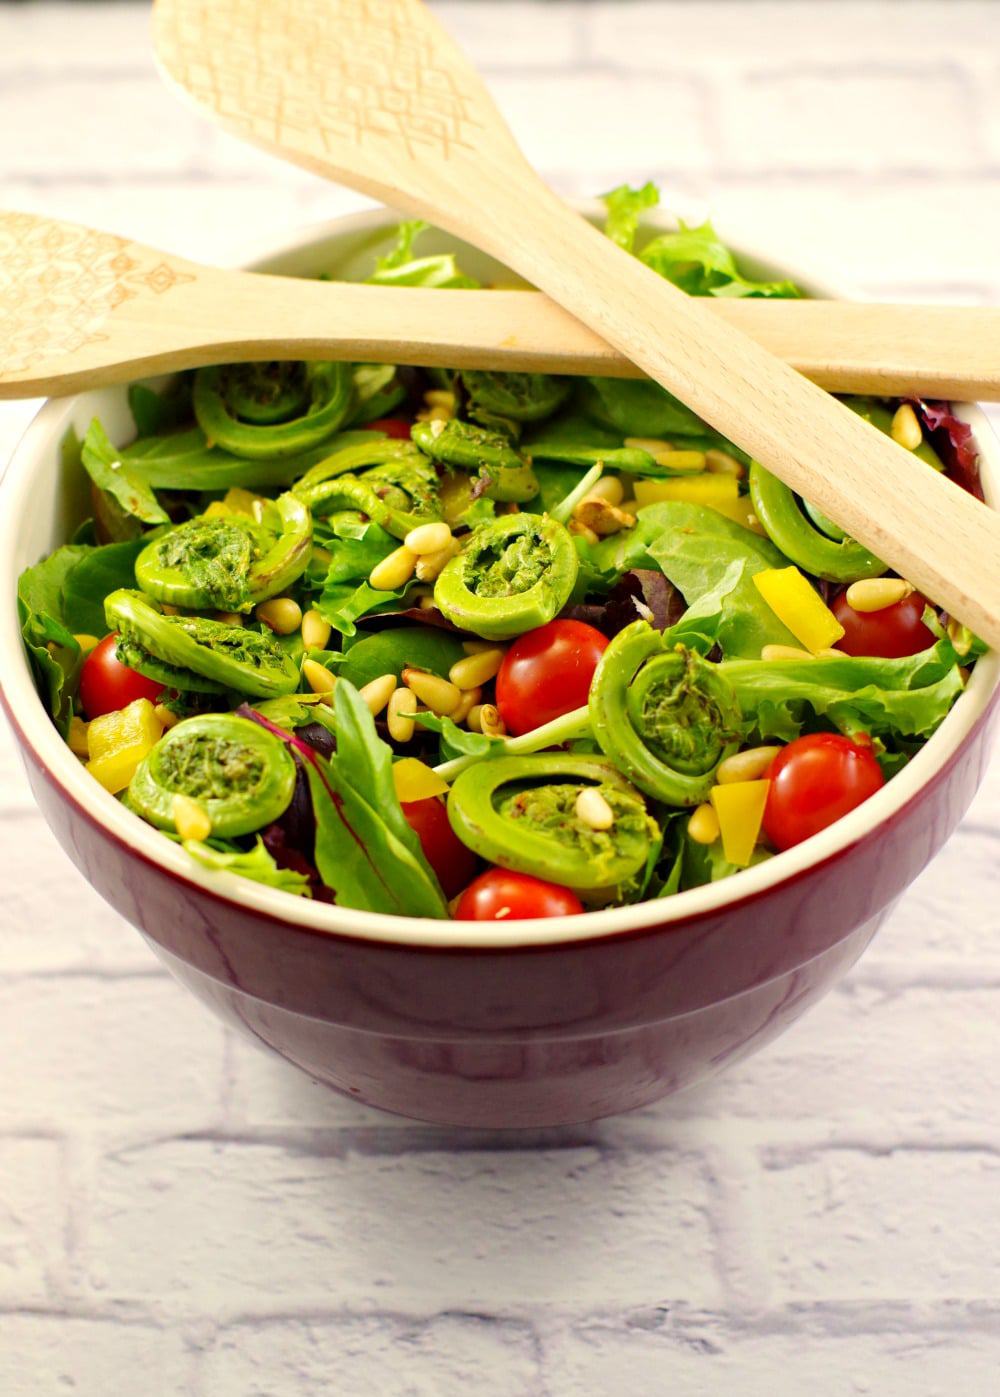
column 483, row 645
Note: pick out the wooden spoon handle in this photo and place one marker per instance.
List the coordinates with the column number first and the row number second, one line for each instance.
column 881, row 494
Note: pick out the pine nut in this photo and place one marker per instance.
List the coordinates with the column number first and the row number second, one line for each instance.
column 439, row 397
column 428, row 538
column 784, row 652
column 490, row 722
column 79, row 743
column 703, row 826
column 685, row 462
column 476, row 647
column 755, row 526
column 476, row 670
column 190, row 819
column 437, row 423
column 630, row 506
column 165, row 716
column 315, row 631
column 393, row 572
column 401, row 703
column 960, row 636
column 470, row 698
column 281, row 614
column 593, row 810
column 169, row 610
column 377, row 692
column 653, row 445
column 749, row 765
column 474, row 718
column 427, row 602
column 585, row 532
column 86, row 642
column 229, row 618
column 431, row 565
column 876, row 593
column 319, row 679
column 609, row 488
column 440, row 696
column 721, row 463
column 906, row 430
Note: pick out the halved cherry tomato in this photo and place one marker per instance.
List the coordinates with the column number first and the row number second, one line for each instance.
column 547, row 672
column 454, row 864
column 396, row 427
column 498, row 895
column 815, row 780
column 891, row 633
column 106, row 684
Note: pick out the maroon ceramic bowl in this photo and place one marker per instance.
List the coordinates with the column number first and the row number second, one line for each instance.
column 512, row 1024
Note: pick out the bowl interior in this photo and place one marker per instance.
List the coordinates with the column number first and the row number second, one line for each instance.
column 45, row 496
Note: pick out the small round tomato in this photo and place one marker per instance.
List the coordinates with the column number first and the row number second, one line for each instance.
column 815, row 780
column 547, row 672
column 106, row 684
column 498, row 895
column 454, row 864
column 395, row 427
column 890, row 633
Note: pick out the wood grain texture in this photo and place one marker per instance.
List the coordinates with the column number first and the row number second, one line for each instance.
column 376, row 94
column 80, row 308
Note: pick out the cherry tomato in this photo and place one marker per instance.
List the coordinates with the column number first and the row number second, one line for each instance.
column 815, row 780
column 547, row 673
column 106, row 684
column 396, row 427
column 891, row 633
column 454, row 864
column 499, row 895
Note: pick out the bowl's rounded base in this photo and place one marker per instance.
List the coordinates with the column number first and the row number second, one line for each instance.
column 547, row 1082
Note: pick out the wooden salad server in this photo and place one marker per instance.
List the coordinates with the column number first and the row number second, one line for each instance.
column 81, row 308
column 375, row 94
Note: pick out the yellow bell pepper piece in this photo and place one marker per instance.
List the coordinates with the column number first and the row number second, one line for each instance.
column 714, row 490
column 240, row 501
column 795, row 602
column 415, row 781
column 118, row 742
column 217, row 510
column 739, row 806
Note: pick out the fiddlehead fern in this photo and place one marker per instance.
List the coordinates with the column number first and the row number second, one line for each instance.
column 521, row 397
column 804, row 537
column 520, row 813
column 194, row 653
column 400, row 493
column 665, row 716
column 241, row 774
column 464, row 446
column 229, row 564
column 515, row 573
column 274, row 409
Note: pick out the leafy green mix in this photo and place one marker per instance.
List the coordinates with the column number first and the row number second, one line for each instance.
column 508, row 465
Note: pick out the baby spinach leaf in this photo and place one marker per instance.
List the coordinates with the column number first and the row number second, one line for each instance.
column 637, row 408
column 108, row 470
column 97, row 573
column 390, row 651
column 366, row 851
column 53, row 653
column 256, row 864
column 160, row 412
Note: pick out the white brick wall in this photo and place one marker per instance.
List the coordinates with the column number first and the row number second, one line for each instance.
column 184, row 1217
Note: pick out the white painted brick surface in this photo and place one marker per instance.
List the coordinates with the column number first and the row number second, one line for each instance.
column 185, row 1217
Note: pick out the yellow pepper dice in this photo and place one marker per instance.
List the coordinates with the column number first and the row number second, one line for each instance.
column 716, row 491
column 118, row 742
column 416, row 781
column 739, row 806
column 800, row 607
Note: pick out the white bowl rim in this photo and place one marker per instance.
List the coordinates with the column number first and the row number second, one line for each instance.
column 69, row 774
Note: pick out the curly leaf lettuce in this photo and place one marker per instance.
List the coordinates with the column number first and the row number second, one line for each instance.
column 400, row 266
column 256, row 864
column 625, row 208
column 53, row 651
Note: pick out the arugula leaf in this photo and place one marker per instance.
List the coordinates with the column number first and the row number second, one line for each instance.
column 99, row 572
column 106, row 467
column 185, row 461
column 695, row 260
column 885, row 698
column 625, row 208
column 40, row 610
column 712, row 560
column 399, row 267
column 390, row 651
column 256, row 864
column 366, row 851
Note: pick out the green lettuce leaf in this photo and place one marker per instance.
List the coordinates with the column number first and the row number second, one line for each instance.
column 98, row 572
column 256, row 864
column 400, row 267
column 695, row 260
column 366, row 851
column 53, row 653
column 109, row 471
column 712, row 561
column 905, row 698
column 625, row 208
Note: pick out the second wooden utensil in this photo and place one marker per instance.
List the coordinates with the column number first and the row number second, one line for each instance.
column 375, row 94
column 81, row 308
